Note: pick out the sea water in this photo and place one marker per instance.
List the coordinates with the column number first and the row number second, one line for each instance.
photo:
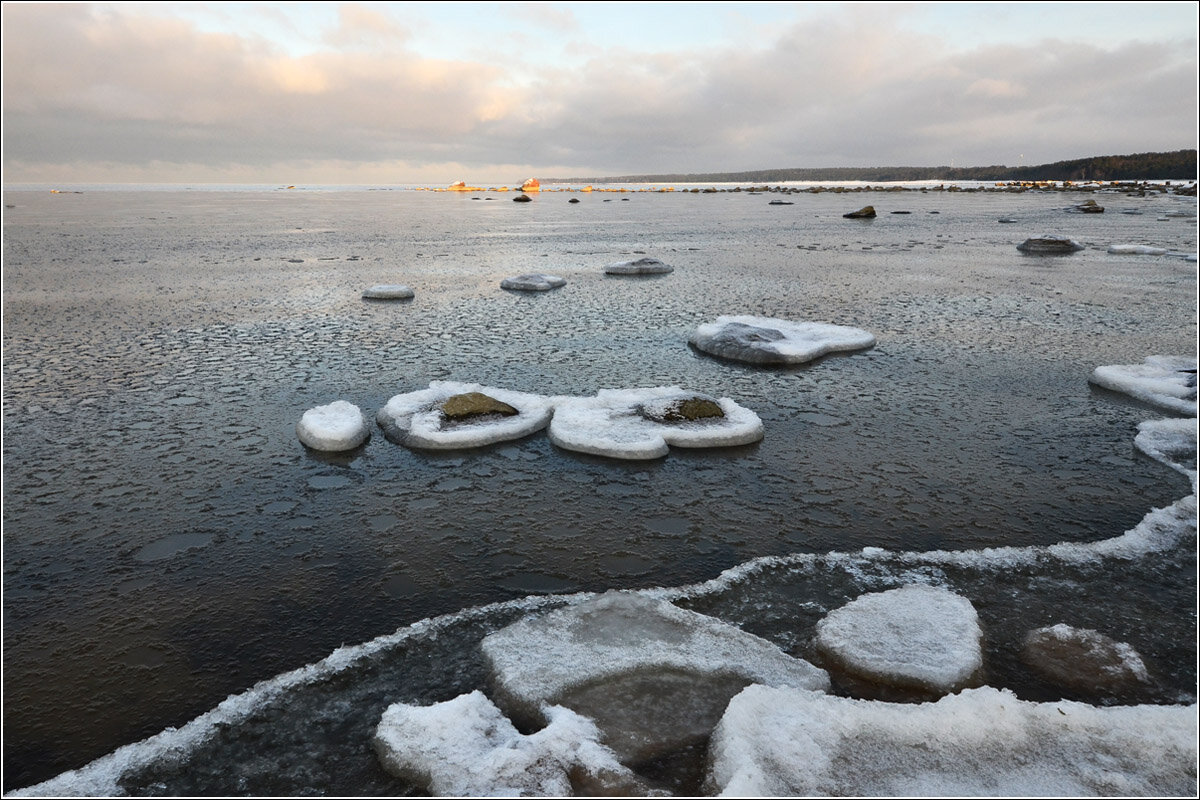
column 168, row 541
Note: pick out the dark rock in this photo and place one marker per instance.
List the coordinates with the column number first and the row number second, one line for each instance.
column 1088, row 207
column 682, row 409
column 1049, row 245
column 573, row 200
column 475, row 404
column 866, row 212
column 522, row 198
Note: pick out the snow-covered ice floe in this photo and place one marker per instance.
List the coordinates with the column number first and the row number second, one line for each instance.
column 641, row 266
column 334, row 427
column 533, row 282
column 653, row 676
column 918, row 637
column 641, row 423
column 1136, row 250
column 763, row 340
column 450, row 415
column 1171, row 442
column 787, row 742
column 1165, row 381
column 388, row 291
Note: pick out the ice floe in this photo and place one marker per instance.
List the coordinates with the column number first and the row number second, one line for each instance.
column 1083, row 659
column 422, row 419
column 388, row 291
column 1165, row 381
column 466, row 747
column 787, row 742
column 653, row 676
column 763, row 340
column 1171, row 442
column 641, row 423
column 1050, row 244
column 641, row 266
column 1136, row 250
column 533, row 282
column 917, row 637
column 334, row 427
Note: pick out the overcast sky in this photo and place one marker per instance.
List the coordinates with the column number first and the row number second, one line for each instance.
column 385, row 93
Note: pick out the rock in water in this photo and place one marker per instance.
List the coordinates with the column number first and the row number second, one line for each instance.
column 763, row 340
column 866, row 212
column 1089, row 207
column 389, row 291
column 654, row 677
column 1083, row 659
column 333, row 428
column 522, row 198
column 533, row 282
column 1050, row 244
column 642, row 266
column 475, row 404
column 917, row 638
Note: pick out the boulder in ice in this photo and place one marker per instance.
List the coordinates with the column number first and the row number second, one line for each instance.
column 532, row 282
column 763, row 340
column 450, row 415
column 866, row 212
column 641, row 266
column 785, row 742
column 1050, row 244
column 1088, row 207
column 336, row 427
column 466, row 747
column 920, row 640
column 1083, row 660
column 1165, row 381
column 641, row 423
column 1136, row 250
column 653, row 676
column 388, row 291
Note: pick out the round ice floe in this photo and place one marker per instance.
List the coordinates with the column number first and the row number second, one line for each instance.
column 450, row 415
column 533, row 282
column 1083, row 659
column 335, row 427
column 1050, row 244
column 1165, row 381
column 916, row 637
column 641, row 423
column 763, row 340
column 388, row 291
column 642, row 266
column 1136, row 250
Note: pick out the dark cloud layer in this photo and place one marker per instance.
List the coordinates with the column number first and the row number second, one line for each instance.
column 91, row 85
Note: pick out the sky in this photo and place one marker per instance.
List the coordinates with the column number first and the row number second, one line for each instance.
column 492, row 93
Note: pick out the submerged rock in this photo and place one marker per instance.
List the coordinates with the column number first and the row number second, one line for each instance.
column 642, row 423
column 1082, row 659
column 866, row 212
column 919, row 639
column 476, row 416
column 333, row 428
column 981, row 742
column 654, row 677
column 465, row 747
column 763, row 340
column 641, row 266
column 533, row 282
column 389, row 291
column 1050, row 244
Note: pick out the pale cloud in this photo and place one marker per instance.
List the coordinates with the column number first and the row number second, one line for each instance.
column 96, row 88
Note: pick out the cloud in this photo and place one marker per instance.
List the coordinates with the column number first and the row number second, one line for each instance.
column 97, row 85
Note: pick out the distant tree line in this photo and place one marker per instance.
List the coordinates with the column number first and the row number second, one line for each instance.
column 1176, row 165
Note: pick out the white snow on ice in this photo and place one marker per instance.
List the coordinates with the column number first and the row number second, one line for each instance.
column 415, row 419
column 612, row 424
column 1165, row 381
column 787, row 742
column 763, row 340
column 335, row 427
column 1136, row 250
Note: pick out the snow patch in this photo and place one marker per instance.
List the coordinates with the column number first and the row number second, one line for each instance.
column 763, row 340
column 335, row 427
column 416, row 420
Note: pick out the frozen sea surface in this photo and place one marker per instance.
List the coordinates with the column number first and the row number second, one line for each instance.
column 169, row 542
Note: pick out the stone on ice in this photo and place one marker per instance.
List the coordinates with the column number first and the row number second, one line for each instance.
column 1050, row 244
column 919, row 639
column 420, row 419
column 763, row 340
column 333, row 428
column 653, row 676
column 532, row 282
column 1083, row 659
column 784, row 742
column 641, row 266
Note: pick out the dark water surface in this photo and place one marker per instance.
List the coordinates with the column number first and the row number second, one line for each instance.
column 168, row 541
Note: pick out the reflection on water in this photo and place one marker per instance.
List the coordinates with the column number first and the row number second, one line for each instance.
column 168, row 541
